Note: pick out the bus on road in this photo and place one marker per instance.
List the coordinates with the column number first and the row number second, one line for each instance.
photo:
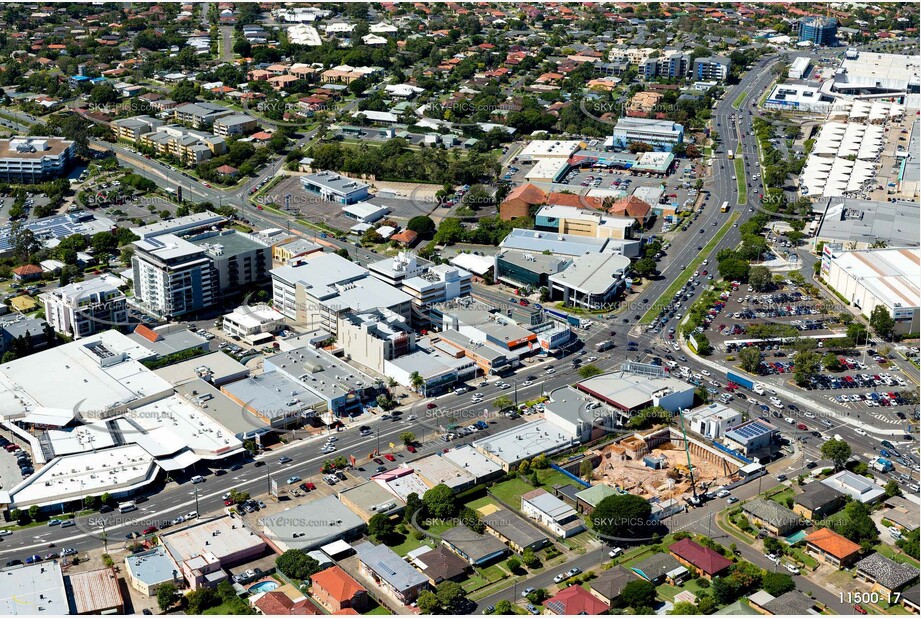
column 724, row 207
column 729, row 154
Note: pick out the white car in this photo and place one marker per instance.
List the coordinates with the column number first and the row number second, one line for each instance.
column 772, row 558
column 615, row 552
column 789, row 420
column 808, row 414
column 528, row 382
column 794, row 570
column 860, row 432
column 704, row 372
column 551, row 370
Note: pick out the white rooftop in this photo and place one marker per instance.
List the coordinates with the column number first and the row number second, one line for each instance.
column 91, row 375
column 33, row 589
column 524, row 441
column 593, row 273
column 539, row 149
column 891, row 274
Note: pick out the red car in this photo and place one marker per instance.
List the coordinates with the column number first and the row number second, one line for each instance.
column 411, row 448
column 859, row 609
column 389, row 457
column 259, row 207
column 431, row 405
column 150, row 529
column 228, row 502
column 310, row 486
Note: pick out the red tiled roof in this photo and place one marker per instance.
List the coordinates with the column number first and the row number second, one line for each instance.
column 146, row 333
column 531, row 194
column 704, row 558
column 28, row 269
column 632, row 206
column 406, row 236
column 275, row 603
column 575, row 600
column 832, row 543
column 337, row 583
column 576, row 201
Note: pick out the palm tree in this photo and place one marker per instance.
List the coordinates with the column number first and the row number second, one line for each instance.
column 416, row 380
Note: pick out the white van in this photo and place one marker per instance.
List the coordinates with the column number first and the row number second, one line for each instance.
column 197, row 479
column 758, row 389
column 127, row 507
column 460, row 390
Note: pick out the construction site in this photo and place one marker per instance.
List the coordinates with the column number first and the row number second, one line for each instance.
column 655, row 466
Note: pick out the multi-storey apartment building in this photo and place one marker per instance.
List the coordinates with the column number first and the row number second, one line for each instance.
column 81, row 309
column 172, row 276
column 199, row 115
column 190, row 146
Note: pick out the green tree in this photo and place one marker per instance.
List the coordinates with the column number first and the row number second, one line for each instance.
column 734, row 269
column 413, row 504
column 440, row 502
column 882, row 322
column 909, row 543
column 166, row 595
column 380, row 526
column 830, row 362
column 858, row 526
column 416, row 381
column 892, row 489
column 586, row 469
column 777, row 584
column 621, row 515
column 759, row 277
column 685, row 608
column 645, row 267
column 638, row 593
column 199, row 600
column 503, row 402
column 503, row 608
column 530, row 559
column 750, row 359
column 407, row 437
column 807, row 366
column 422, row 225
column 428, row 603
column 838, row 451
column 450, row 594
column 295, row 563
column 590, row 370
column 513, row 564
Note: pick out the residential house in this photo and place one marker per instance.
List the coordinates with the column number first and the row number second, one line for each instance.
column 390, row 572
column 885, row 576
column 441, row 564
column 659, row 568
column 336, row 590
column 574, row 601
column 817, row 501
column 520, row 200
column 551, row 513
column 708, row 562
column 829, row 546
column 512, row 529
column 609, row 585
column 475, row 548
column 277, row 603
column 771, row 516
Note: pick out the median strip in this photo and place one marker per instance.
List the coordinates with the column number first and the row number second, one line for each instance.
column 740, row 181
column 739, row 99
column 686, row 274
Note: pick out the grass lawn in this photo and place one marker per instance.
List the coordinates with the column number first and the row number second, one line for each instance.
column 224, row 609
column 688, row 272
column 493, row 573
column 474, row 582
column 781, row 496
column 579, row 541
column 740, row 180
column 550, row 477
column 481, row 502
column 510, row 491
column 804, row 558
column 894, row 554
column 438, row 527
column 408, row 544
column 738, row 102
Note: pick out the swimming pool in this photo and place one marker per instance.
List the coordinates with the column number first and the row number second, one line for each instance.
column 265, row 586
